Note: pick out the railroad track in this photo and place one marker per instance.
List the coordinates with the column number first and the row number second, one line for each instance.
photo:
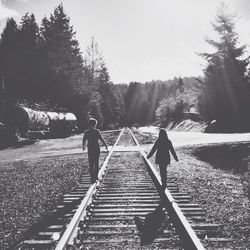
column 112, row 213
column 44, row 235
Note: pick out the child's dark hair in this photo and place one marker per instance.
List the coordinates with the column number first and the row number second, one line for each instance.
column 92, row 122
column 163, row 136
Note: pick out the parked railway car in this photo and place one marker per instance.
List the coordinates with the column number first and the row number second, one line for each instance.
column 26, row 122
column 61, row 124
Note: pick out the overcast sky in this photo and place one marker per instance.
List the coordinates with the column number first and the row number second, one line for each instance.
column 141, row 40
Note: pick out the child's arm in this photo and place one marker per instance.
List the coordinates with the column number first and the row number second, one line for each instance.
column 152, row 150
column 171, row 148
column 102, row 140
column 84, row 141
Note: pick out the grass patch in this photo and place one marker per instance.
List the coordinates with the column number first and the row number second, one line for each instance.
column 30, row 190
column 231, row 157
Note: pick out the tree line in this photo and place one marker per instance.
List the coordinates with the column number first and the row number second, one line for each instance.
column 222, row 94
column 225, row 89
column 44, row 64
column 157, row 102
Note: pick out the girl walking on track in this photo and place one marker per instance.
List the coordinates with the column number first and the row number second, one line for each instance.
column 92, row 135
column 163, row 145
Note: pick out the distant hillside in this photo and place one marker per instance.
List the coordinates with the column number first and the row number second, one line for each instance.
column 188, row 125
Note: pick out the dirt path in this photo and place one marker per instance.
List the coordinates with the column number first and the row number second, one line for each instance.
column 72, row 145
column 44, row 148
column 193, row 138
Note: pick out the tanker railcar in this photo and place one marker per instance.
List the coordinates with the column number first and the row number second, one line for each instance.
column 27, row 122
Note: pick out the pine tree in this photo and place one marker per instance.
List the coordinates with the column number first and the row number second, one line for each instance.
column 112, row 104
column 136, row 104
column 29, row 56
column 9, row 58
column 95, row 108
column 225, row 97
column 154, row 93
column 180, row 85
column 98, row 79
column 94, row 66
column 63, row 60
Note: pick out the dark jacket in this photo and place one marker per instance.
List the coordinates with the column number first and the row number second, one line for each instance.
column 162, row 154
column 92, row 136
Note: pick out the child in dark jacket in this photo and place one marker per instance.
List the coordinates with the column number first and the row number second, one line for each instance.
column 163, row 145
column 92, row 135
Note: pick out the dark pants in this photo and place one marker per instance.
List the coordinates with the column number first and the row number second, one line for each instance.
column 94, row 167
column 163, row 173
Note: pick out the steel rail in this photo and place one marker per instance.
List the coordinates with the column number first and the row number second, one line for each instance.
column 108, row 131
column 72, row 228
column 183, row 227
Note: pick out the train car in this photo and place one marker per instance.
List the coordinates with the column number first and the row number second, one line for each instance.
column 62, row 123
column 25, row 122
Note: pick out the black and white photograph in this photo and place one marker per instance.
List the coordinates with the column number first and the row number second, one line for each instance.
column 124, row 124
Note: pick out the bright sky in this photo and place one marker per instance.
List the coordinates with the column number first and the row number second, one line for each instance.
column 141, row 40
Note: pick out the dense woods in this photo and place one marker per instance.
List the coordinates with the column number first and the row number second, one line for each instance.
column 43, row 64
column 225, row 90
column 158, row 102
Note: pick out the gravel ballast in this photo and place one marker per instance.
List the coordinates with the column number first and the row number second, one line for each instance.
column 220, row 191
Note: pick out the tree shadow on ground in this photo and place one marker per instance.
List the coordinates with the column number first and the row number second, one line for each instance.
column 233, row 157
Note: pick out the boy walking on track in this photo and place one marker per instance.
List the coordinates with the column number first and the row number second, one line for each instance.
column 92, row 135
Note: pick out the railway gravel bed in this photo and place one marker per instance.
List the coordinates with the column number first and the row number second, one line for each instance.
column 127, row 209
column 30, row 191
column 117, row 216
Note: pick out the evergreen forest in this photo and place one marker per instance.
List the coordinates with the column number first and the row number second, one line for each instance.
column 43, row 64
